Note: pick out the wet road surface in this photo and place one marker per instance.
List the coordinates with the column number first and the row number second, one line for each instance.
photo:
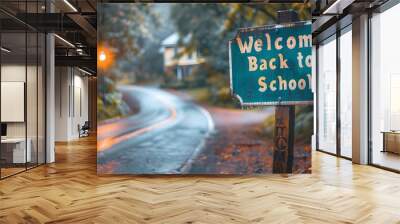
column 162, row 138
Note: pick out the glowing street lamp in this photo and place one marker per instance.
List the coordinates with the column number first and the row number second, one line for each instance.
column 104, row 57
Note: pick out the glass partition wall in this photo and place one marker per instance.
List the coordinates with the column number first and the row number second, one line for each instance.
column 334, row 94
column 345, row 91
column 327, row 95
column 385, row 89
column 22, row 98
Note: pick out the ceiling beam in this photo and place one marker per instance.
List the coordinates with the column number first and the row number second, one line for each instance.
column 84, row 24
column 49, row 22
column 79, row 61
column 205, row 1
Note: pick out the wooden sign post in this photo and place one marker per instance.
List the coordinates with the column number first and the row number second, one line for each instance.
column 284, row 120
column 271, row 66
column 284, row 139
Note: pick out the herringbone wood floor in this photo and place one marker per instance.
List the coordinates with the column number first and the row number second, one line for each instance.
column 69, row 191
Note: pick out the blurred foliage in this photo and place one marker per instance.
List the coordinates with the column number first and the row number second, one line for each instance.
column 128, row 31
column 268, row 127
column 303, row 124
column 211, row 26
column 109, row 101
column 134, row 32
column 126, row 27
column 212, row 96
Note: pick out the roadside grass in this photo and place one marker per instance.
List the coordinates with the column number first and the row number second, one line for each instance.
column 201, row 95
column 220, row 98
column 303, row 124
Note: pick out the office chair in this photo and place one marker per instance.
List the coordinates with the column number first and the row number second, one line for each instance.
column 84, row 130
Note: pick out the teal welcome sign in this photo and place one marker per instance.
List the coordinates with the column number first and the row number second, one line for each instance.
column 271, row 65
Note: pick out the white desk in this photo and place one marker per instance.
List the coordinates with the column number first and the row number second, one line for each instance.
column 19, row 149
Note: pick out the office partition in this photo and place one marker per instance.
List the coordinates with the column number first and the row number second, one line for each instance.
column 22, row 101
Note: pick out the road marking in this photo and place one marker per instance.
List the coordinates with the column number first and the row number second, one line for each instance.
column 107, row 143
column 210, row 123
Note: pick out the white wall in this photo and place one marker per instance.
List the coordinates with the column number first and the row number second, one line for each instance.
column 16, row 73
column 71, row 102
column 33, row 126
column 80, row 110
column 12, row 73
column 62, row 81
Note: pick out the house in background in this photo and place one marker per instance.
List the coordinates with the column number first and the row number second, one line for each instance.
column 176, row 61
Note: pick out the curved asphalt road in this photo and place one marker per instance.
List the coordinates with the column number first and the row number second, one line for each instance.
column 162, row 138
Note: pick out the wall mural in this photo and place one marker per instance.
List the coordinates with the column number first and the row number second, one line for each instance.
column 204, row 89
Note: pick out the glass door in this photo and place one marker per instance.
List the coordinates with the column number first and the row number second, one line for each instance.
column 346, row 92
column 327, row 95
column 22, row 92
column 14, row 153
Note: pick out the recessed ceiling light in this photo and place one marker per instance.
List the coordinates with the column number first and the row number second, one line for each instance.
column 337, row 7
column 86, row 72
column 5, row 50
column 70, row 5
column 64, row 40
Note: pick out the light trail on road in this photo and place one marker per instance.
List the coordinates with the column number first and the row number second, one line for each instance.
column 111, row 141
column 163, row 137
